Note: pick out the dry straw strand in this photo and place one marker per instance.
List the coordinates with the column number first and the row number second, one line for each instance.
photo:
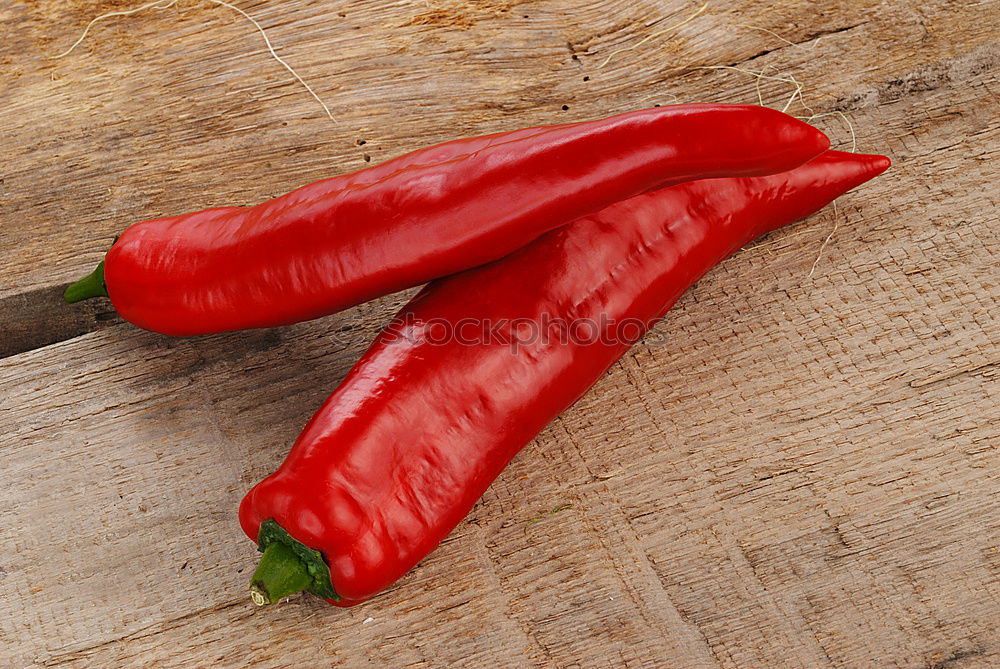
column 151, row 5
column 788, row 79
column 796, row 93
column 766, row 246
column 783, row 39
column 836, row 224
column 159, row 4
column 843, row 117
column 278, row 58
column 654, row 35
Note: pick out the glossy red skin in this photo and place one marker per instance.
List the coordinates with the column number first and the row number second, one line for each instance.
column 417, row 431
column 436, row 211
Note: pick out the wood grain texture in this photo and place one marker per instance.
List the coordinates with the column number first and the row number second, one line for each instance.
column 791, row 470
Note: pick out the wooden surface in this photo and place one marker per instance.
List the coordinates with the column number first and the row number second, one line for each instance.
column 796, row 469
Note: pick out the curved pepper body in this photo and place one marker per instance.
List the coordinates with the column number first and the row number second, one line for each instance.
column 341, row 241
column 422, row 424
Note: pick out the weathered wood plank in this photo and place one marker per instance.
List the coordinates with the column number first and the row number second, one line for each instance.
column 792, row 470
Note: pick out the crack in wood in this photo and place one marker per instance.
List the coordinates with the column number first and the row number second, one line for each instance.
column 924, row 79
column 951, row 374
column 956, row 657
column 150, row 630
column 799, row 44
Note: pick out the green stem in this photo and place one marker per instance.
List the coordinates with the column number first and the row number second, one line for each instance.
column 279, row 574
column 89, row 286
column 271, row 533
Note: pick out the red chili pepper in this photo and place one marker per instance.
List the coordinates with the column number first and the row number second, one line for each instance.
column 433, row 212
column 420, row 427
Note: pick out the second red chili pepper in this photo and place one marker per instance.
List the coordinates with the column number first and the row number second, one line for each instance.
column 419, row 428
